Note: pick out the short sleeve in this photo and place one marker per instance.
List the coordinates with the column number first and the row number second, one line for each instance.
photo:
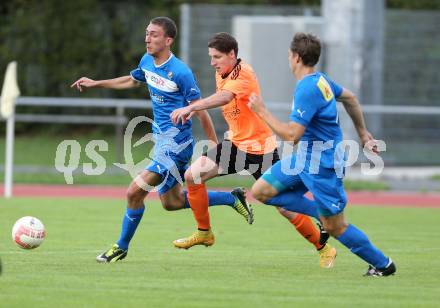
column 188, row 86
column 306, row 104
column 337, row 89
column 138, row 74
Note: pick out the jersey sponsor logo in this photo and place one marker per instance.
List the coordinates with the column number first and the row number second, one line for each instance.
column 325, row 89
column 160, row 83
column 156, row 98
column 231, row 114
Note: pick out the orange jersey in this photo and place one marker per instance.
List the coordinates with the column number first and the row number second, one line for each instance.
column 247, row 131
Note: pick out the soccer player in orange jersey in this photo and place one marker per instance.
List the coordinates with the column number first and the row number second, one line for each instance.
column 250, row 145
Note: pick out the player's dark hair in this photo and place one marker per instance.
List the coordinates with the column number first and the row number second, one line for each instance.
column 223, row 42
column 167, row 24
column 307, row 46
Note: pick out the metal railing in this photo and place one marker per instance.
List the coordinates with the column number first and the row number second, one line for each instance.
column 118, row 119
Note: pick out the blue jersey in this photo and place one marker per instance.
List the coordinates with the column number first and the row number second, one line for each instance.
column 314, row 106
column 171, row 85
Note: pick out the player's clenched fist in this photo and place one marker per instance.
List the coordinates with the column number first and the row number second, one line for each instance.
column 256, row 103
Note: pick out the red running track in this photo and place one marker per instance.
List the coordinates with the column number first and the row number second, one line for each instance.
column 396, row 199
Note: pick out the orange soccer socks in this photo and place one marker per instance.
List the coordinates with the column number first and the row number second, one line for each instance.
column 304, row 225
column 198, row 200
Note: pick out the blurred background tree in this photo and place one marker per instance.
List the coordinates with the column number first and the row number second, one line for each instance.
column 56, row 42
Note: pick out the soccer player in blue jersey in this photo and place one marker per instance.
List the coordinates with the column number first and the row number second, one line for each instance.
column 171, row 85
column 318, row 165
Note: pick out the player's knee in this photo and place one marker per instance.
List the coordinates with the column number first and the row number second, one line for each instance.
column 131, row 193
column 260, row 194
column 171, row 206
column 188, row 177
column 135, row 195
column 335, row 229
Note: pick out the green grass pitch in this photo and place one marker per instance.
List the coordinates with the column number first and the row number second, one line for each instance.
column 264, row 265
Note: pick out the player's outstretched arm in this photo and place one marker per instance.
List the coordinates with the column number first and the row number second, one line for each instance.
column 354, row 110
column 286, row 131
column 215, row 100
column 119, row 83
column 207, row 125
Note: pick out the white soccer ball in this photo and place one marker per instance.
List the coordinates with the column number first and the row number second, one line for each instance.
column 28, row 232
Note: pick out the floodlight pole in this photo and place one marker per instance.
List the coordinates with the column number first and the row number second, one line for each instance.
column 9, row 160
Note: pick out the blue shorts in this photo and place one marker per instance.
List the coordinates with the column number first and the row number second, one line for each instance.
column 171, row 167
column 327, row 188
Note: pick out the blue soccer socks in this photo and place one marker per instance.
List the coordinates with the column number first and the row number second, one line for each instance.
column 216, row 198
column 129, row 225
column 358, row 242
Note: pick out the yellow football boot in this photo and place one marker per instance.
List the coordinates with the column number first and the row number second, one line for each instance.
column 327, row 256
column 198, row 238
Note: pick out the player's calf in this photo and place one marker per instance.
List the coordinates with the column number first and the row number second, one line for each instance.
column 173, row 206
